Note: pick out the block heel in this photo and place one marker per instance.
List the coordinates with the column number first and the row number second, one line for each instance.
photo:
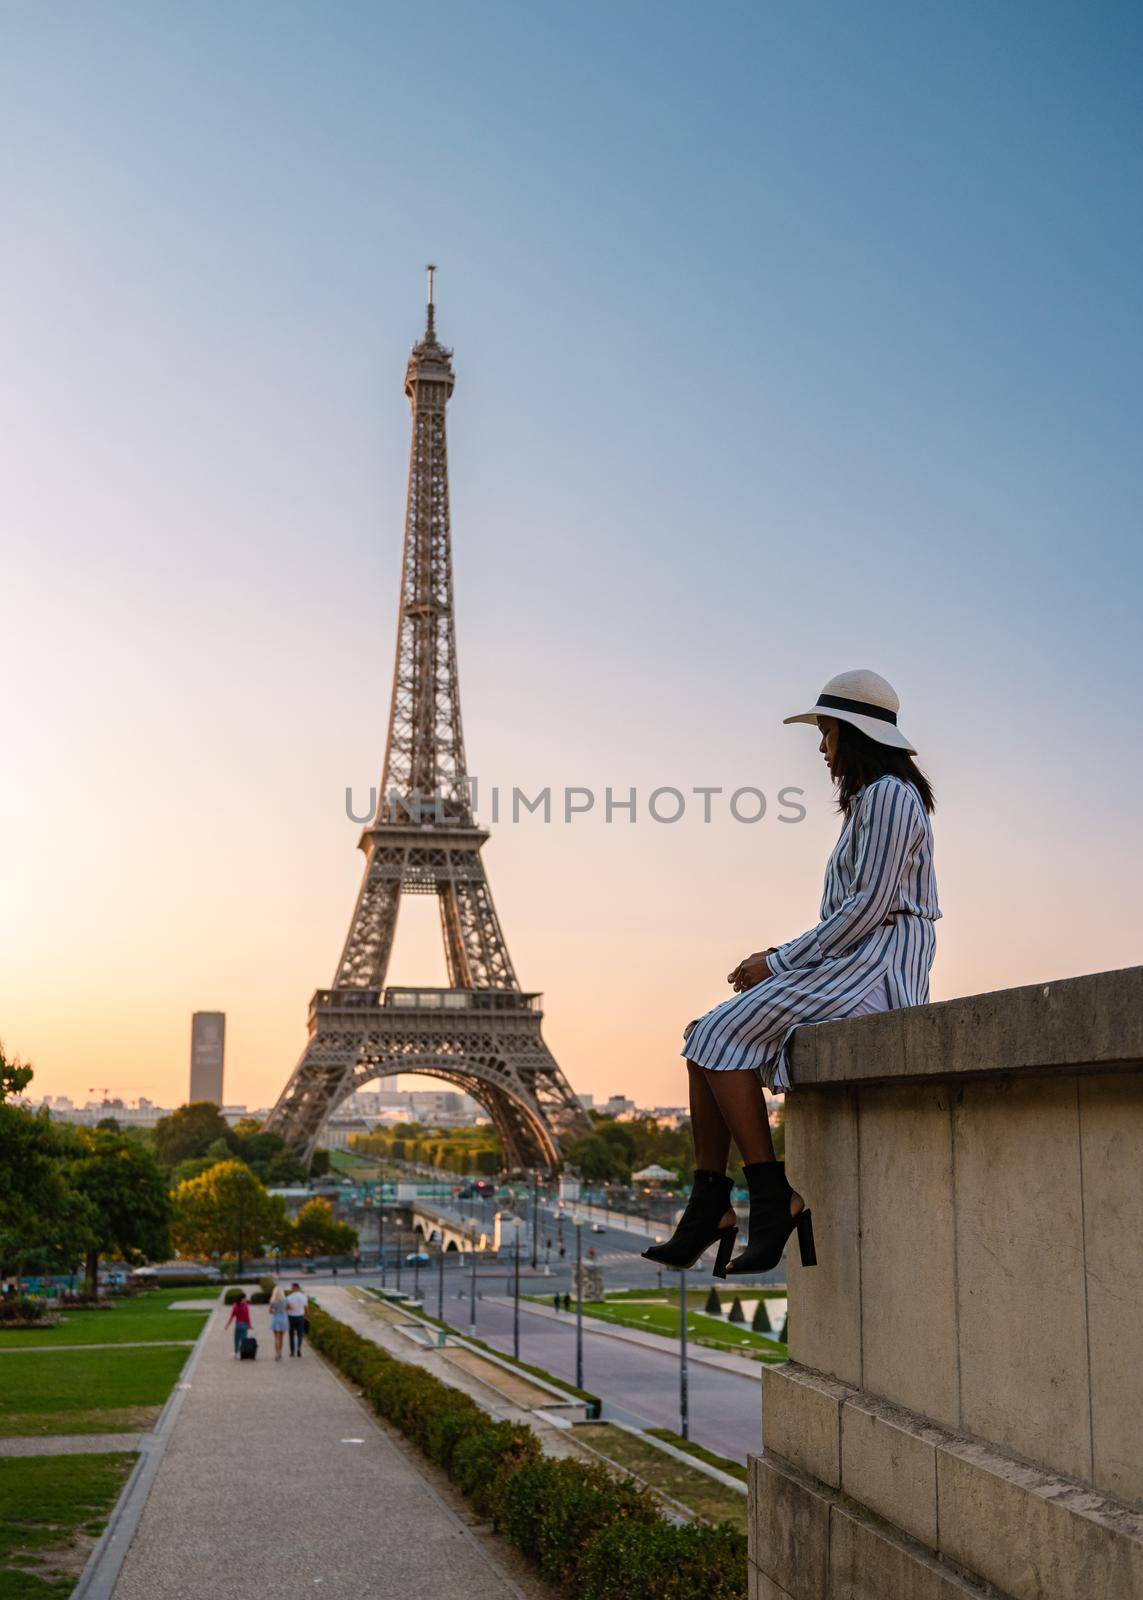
column 725, row 1245
column 805, row 1227
column 770, row 1221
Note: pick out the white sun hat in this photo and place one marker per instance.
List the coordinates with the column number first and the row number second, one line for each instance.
column 865, row 699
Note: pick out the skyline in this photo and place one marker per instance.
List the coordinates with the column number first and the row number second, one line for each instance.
column 822, row 355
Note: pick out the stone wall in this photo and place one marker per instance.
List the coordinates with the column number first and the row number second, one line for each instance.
column 962, row 1413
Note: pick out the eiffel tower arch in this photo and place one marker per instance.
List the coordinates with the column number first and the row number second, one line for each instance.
column 481, row 1033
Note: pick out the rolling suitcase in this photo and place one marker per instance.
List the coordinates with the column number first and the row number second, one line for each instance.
column 248, row 1350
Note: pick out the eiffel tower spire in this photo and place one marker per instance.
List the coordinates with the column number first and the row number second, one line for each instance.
column 482, row 1032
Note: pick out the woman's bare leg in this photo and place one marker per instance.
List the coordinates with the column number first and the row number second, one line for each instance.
column 708, row 1128
column 742, row 1105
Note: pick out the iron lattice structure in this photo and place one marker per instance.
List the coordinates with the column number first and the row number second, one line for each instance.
column 482, row 1033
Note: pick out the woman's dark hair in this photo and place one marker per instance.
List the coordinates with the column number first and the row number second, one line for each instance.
column 861, row 761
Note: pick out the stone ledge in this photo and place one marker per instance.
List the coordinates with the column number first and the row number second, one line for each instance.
column 1092, row 1023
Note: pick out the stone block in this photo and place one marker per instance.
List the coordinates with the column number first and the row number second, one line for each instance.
column 908, row 1249
column 825, row 1301
column 866, row 1563
column 1111, row 1139
column 889, row 1463
column 801, row 1420
column 789, row 1530
column 1035, row 1536
column 760, row 1587
column 1020, row 1270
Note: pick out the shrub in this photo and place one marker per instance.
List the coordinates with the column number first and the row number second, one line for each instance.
column 598, row 1535
column 664, row 1562
column 24, row 1309
column 713, row 1307
column 232, row 1296
column 761, row 1322
column 267, row 1287
column 736, row 1312
column 259, row 1298
column 553, row 1509
column 784, row 1336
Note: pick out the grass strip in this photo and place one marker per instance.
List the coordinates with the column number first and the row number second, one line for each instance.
column 598, row 1536
column 723, row 1463
column 705, row 1496
column 52, row 1508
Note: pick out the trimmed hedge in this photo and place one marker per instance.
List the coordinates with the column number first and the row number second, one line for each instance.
column 600, row 1536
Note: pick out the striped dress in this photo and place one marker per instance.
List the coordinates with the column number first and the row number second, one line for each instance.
column 872, row 949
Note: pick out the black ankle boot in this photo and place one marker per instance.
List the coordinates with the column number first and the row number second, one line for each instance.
column 770, row 1221
column 699, row 1226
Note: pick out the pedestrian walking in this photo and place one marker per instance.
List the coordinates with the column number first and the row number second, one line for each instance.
column 871, row 951
column 296, row 1318
column 279, row 1319
column 240, row 1317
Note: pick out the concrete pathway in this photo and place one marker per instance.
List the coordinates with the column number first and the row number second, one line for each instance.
column 71, row 1444
column 276, row 1478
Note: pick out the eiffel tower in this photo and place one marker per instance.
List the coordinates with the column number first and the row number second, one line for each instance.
column 482, row 1033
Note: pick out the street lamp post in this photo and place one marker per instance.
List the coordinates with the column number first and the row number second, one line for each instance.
column 516, row 1302
column 579, row 1304
column 241, row 1227
column 381, row 1238
column 398, row 1257
column 684, row 1398
column 440, row 1282
column 416, row 1271
column 472, row 1295
column 535, row 1217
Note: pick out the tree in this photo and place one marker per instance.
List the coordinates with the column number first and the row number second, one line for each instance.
column 226, row 1211
column 316, row 1233
column 190, row 1131
column 736, row 1312
column 713, row 1307
column 42, row 1221
column 761, row 1322
column 598, row 1158
column 126, row 1192
column 14, row 1076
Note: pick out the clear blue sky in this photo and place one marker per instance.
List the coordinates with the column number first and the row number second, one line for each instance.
column 788, row 339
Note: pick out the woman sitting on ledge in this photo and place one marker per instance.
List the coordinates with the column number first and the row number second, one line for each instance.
column 871, row 951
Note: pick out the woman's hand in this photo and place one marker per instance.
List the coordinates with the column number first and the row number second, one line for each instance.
column 750, row 971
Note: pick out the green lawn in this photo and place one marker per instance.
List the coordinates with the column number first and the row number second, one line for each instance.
column 90, row 1391
column 52, row 1509
column 128, row 1321
column 715, row 1332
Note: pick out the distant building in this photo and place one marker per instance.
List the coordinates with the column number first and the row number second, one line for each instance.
column 618, row 1105
column 587, row 1101
column 208, row 1049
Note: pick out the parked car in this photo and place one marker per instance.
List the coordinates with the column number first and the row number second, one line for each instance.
column 597, row 1227
column 417, row 1258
